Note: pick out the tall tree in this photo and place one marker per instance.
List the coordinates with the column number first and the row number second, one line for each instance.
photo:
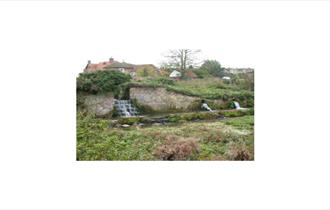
column 182, row 58
column 213, row 67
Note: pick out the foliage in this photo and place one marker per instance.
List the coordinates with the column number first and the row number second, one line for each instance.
column 213, row 67
column 235, row 113
column 238, row 151
column 210, row 140
column 146, row 71
column 177, row 148
column 242, row 123
column 192, row 116
column 202, row 73
column 243, row 81
column 164, row 81
column 101, row 81
column 208, row 88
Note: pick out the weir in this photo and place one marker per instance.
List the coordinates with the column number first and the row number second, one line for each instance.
column 237, row 106
column 125, row 108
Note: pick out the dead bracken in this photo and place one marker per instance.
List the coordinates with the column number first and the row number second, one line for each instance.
column 177, row 148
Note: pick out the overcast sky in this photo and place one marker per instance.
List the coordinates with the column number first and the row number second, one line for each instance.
column 237, row 34
column 136, row 32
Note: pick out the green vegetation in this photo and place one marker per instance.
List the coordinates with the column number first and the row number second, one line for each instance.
column 246, row 123
column 146, row 71
column 181, row 117
column 230, row 139
column 213, row 67
column 207, row 88
column 101, row 82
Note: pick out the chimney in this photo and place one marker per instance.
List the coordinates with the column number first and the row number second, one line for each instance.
column 89, row 62
column 111, row 59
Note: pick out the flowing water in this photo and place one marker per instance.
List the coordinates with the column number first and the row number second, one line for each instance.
column 237, row 106
column 125, row 108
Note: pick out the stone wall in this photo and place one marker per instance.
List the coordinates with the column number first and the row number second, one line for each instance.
column 148, row 99
column 100, row 105
column 161, row 100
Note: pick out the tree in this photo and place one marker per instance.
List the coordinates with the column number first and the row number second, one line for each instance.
column 101, row 81
column 213, row 67
column 181, row 58
column 146, row 71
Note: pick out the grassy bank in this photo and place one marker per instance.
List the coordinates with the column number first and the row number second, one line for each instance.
column 209, row 88
column 230, row 139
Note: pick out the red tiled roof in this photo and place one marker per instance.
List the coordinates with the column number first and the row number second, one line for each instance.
column 98, row 66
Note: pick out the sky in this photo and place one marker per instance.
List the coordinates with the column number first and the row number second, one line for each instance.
column 136, row 32
column 67, row 35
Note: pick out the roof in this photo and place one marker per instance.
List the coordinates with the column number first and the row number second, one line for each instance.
column 117, row 64
column 146, row 65
column 91, row 67
column 97, row 66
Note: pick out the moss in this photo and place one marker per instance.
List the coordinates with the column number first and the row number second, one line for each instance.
column 195, row 106
column 174, row 118
column 80, row 101
column 129, row 120
column 143, row 109
column 250, row 102
column 236, row 113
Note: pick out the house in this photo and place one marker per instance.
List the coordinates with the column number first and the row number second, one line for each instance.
column 122, row 67
column 175, row 74
column 111, row 64
column 114, row 65
column 92, row 67
column 238, row 70
column 226, row 78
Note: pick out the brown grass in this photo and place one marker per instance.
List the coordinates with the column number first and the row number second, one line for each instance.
column 177, row 148
column 238, row 151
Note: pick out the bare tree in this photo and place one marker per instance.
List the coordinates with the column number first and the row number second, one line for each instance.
column 182, row 58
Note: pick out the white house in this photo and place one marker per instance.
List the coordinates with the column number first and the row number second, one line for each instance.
column 175, row 74
column 226, row 78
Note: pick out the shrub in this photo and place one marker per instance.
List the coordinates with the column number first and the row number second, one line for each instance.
column 165, row 81
column 238, row 151
column 177, row 148
column 101, row 81
column 213, row 67
column 202, row 73
column 146, row 71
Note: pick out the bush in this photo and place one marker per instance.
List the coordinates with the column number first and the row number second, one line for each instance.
column 177, row 148
column 202, row 73
column 213, row 67
column 238, row 151
column 146, row 71
column 101, row 81
column 165, row 81
column 244, row 80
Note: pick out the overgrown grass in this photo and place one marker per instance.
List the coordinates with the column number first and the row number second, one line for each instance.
column 208, row 88
column 230, row 139
column 246, row 122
